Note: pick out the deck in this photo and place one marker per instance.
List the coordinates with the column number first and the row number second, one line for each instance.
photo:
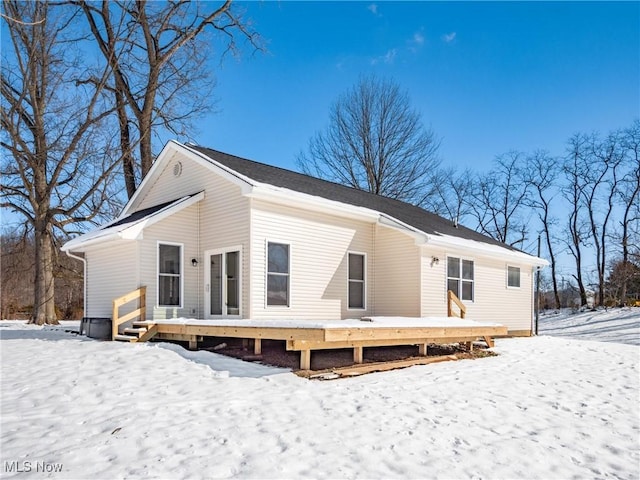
column 308, row 335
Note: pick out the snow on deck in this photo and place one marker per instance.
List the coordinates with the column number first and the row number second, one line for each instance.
column 370, row 322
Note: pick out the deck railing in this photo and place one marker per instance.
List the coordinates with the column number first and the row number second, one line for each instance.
column 452, row 298
column 141, row 311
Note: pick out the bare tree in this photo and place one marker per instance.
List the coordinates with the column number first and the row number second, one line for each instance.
column 572, row 192
column 157, row 53
column 375, row 141
column 499, row 198
column 451, row 194
column 598, row 164
column 52, row 174
column 17, row 273
column 542, row 171
column 609, row 154
column 629, row 193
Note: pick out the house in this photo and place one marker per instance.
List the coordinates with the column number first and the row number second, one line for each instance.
column 214, row 236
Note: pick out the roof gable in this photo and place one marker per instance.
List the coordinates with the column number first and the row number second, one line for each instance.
column 156, row 186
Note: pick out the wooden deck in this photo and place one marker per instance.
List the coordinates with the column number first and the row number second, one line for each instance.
column 308, row 335
column 305, row 336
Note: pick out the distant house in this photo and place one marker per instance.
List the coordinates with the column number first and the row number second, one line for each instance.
column 214, row 236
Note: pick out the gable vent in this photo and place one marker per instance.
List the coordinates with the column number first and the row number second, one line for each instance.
column 177, row 169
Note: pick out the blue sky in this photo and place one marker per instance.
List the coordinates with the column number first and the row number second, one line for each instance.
column 488, row 77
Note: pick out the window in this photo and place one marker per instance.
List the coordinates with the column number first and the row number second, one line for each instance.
column 513, row 277
column 169, row 275
column 277, row 274
column 356, row 280
column 460, row 277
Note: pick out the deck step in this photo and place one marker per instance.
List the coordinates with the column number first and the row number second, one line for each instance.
column 126, row 338
column 138, row 332
column 141, row 324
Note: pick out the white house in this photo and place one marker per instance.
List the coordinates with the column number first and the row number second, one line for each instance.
column 215, row 236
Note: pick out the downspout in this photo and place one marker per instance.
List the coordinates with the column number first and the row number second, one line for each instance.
column 374, row 297
column 534, row 310
column 200, row 265
column 84, row 281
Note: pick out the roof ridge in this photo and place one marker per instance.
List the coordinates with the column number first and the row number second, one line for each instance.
column 331, row 182
column 414, row 215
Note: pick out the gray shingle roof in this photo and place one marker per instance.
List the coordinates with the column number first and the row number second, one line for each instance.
column 139, row 215
column 417, row 217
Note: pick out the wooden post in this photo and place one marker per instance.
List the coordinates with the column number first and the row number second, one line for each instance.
column 422, row 349
column 257, row 346
column 358, row 354
column 193, row 342
column 470, row 346
column 143, row 303
column 114, row 321
column 305, row 359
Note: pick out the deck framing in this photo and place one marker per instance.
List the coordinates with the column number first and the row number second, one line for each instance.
column 307, row 339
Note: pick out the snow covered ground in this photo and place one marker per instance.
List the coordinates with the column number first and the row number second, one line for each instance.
column 621, row 325
column 547, row 407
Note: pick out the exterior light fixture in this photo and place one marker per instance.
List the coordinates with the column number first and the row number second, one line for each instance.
column 194, row 262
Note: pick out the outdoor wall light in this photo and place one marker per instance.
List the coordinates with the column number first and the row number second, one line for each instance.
column 194, row 262
column 434, row 261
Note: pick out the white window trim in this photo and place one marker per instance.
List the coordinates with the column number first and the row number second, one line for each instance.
column 473, row 282
column 266, row 275
column 364, row 281
column 513, row 287
column 207, row 281
column 181, row 245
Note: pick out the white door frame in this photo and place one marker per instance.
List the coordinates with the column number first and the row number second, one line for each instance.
column 207, row 281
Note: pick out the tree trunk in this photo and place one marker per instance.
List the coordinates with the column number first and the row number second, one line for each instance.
column 578, row 277
column 44, row 292
column 556, row 295
column 128, row 161
column 146, row 152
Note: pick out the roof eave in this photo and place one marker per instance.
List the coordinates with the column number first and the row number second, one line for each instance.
column 486, row 250
column 134, row 230
column 286, row 197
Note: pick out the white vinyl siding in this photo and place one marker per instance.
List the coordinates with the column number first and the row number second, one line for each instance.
column 181, row 229
column 493, row 302
column 218, row 222
column 225, row 224
column 397, row 274
column 433, row 287
column 112, row 271
column 318, row 260
column 193, row 179
column 510, row 306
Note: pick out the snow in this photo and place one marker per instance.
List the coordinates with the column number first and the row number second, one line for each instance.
column 367, row 322
column 546, row 407
column 620, row 325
